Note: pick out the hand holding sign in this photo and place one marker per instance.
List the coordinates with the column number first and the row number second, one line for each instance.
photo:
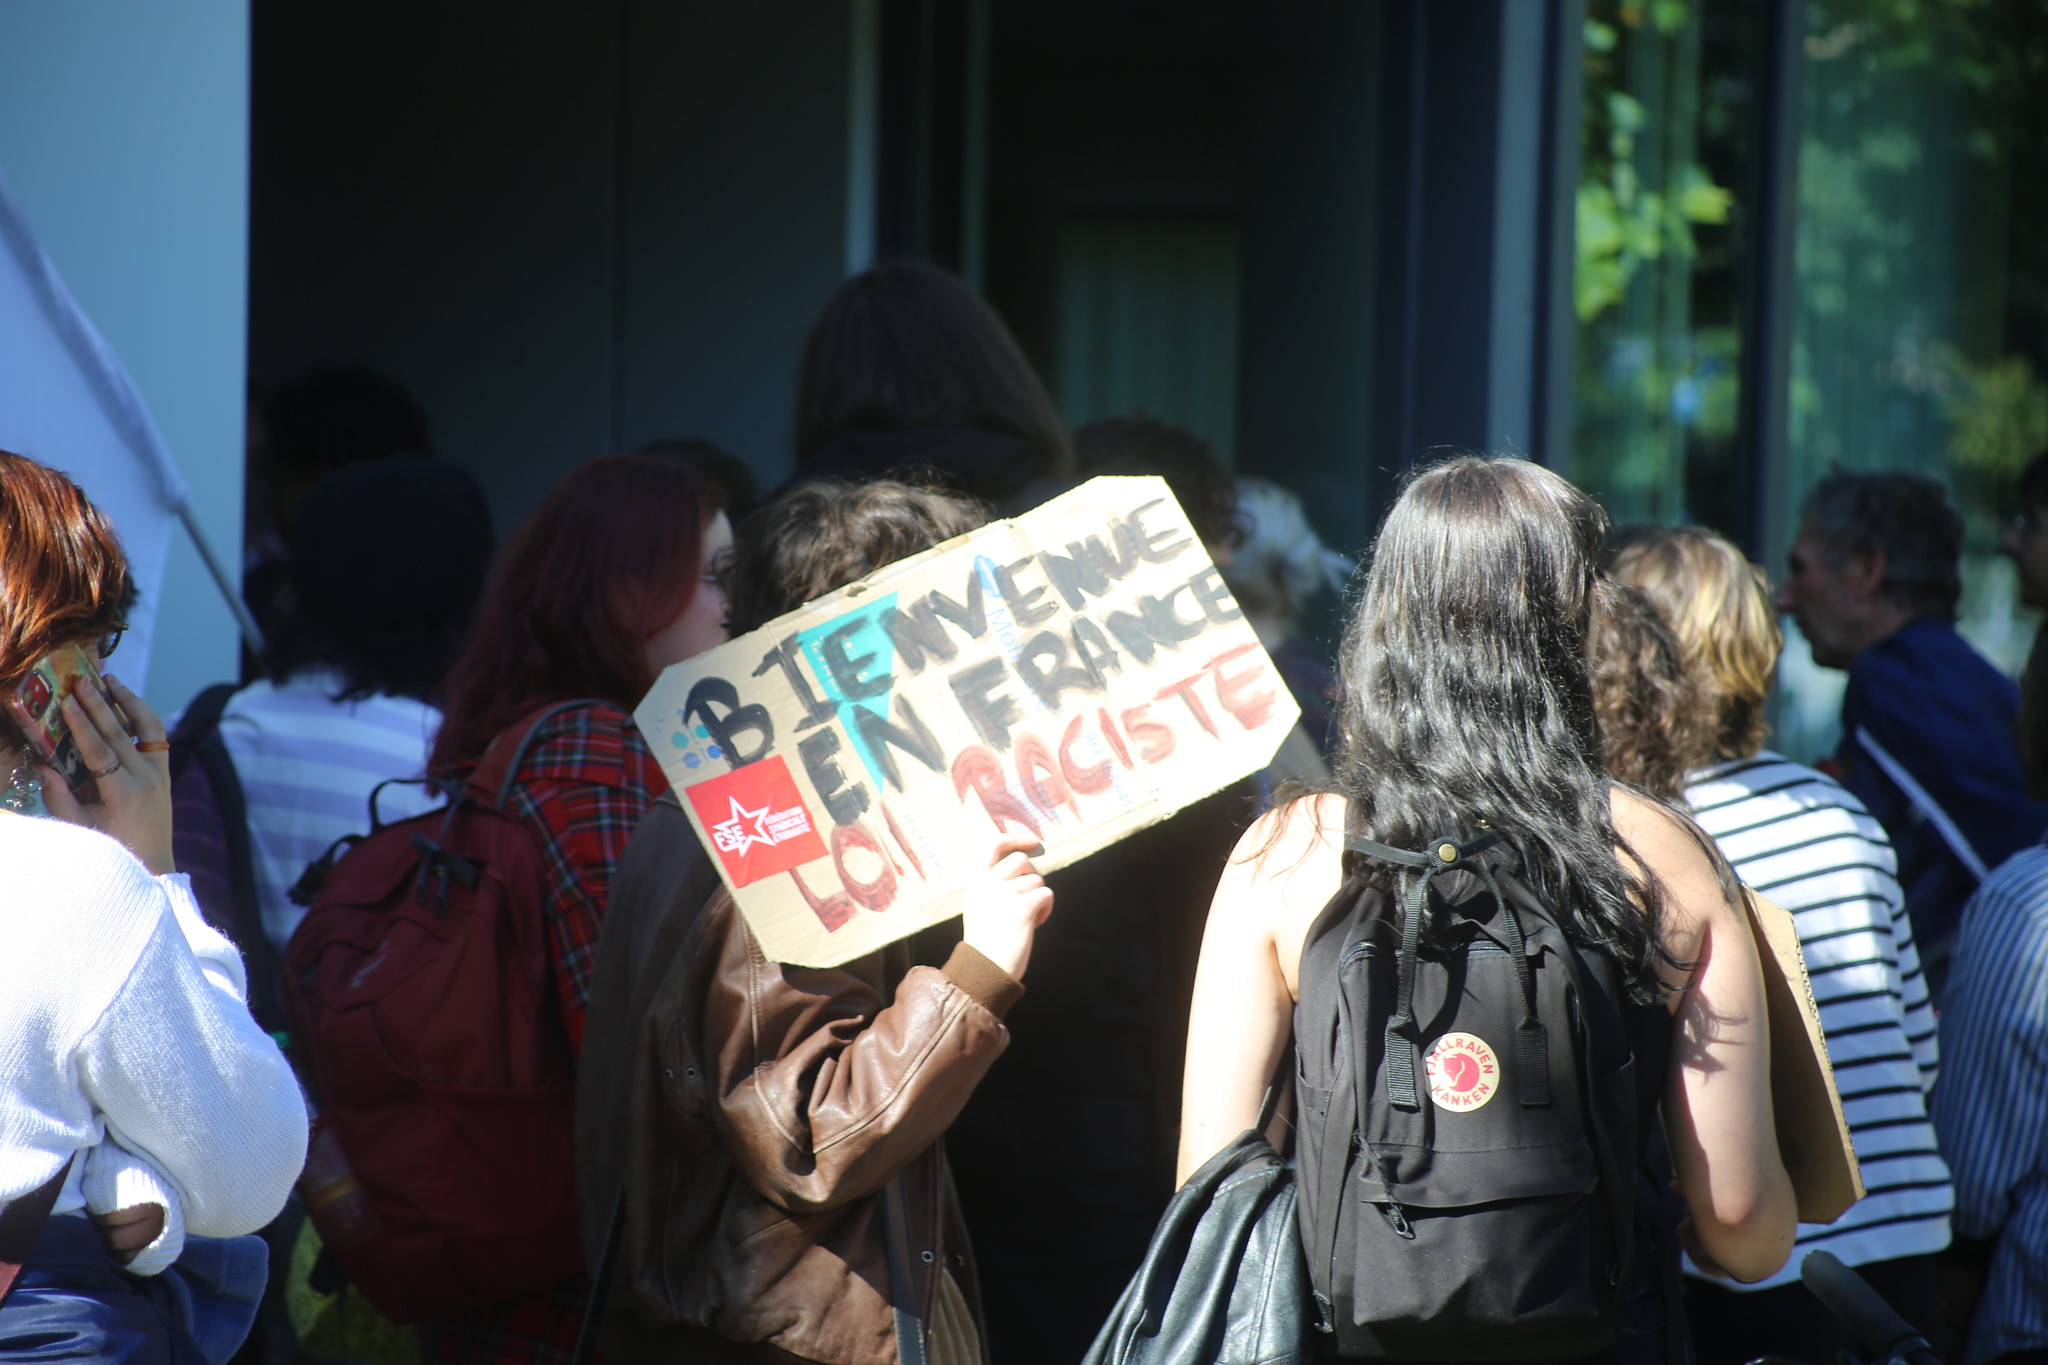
column 1004, row 904
column 1070, row 677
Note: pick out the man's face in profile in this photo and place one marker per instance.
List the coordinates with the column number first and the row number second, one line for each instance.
column 2026, row 540
column 1828, row 600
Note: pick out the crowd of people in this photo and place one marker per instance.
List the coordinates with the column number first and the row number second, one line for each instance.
column 916, row 1157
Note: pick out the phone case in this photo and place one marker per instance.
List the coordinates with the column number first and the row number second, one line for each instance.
column 37, row 706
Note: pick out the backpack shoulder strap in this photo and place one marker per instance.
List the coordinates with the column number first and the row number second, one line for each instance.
column 198, row 740
column 492, row 781
column 601, row 1282
column 1316, row 985
column 910, row 1325
column 201, row 719
column 1615, row 1159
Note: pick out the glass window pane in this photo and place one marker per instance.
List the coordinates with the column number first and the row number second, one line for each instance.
column 1921, row 299
column 1181, row 223
column 1665, row 147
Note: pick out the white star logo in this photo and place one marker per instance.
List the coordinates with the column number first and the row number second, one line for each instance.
column 734, row 838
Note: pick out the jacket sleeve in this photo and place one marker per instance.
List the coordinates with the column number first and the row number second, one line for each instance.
column 116, row 1179
column 185, row 1077
column 1940, row 743
column 823, row 1090
column 218, row 958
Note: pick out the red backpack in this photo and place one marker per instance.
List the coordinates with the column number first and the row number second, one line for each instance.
column 422, row 1013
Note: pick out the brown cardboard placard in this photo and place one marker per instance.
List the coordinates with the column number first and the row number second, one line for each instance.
column 1813, row 1135
column 1079, row 672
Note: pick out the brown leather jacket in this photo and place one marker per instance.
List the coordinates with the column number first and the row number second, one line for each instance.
column 755, row 1112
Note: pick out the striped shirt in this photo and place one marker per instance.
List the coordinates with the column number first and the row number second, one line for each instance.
column 1804, row 842
column 307, row 763
column 1992, row 1104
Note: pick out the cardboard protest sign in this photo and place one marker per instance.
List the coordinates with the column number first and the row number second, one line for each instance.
column 1079, row 673
column 1813, row 1134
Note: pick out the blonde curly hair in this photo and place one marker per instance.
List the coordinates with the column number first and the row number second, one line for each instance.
column 1718, row 605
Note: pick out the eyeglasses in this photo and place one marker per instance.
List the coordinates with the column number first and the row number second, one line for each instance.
column 111, row 641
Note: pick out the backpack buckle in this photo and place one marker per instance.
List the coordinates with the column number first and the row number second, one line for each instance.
column 1446, row 852
column 315, row 876
column 441, row 864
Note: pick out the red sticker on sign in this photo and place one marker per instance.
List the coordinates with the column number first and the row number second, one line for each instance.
column 757, row 820
column 1463, row 1072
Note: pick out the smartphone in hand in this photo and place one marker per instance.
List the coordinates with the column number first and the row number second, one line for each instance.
column 37, row 706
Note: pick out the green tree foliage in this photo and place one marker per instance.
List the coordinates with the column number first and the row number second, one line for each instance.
column 1622, row 224
column 1922, row 237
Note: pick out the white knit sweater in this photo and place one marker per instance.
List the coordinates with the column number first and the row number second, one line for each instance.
column 124, row 1038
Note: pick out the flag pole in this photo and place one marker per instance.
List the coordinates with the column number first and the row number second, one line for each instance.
column 252, row 634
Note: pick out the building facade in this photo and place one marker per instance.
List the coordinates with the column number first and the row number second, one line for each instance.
column 1692, row 254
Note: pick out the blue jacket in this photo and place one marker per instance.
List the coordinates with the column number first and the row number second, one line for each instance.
column 1928, row 744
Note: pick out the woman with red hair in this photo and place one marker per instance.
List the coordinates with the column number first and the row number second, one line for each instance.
column 136, row 1092
column 609, row 583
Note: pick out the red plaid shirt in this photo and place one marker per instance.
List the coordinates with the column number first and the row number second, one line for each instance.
column 583, row 788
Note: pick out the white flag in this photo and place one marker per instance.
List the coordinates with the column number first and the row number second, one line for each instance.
column 65, row 401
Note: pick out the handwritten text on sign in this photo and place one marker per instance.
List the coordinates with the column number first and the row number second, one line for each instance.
column 1080, row 672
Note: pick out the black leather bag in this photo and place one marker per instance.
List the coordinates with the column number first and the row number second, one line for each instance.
column 1223, row 1282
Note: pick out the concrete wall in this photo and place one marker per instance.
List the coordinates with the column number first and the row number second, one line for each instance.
column 124, row 130
column 569, row 229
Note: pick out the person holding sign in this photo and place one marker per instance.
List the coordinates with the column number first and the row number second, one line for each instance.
column 1468, row 736
column 763, row 1139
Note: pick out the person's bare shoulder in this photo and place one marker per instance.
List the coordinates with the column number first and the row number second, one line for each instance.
column 1653, row 829
column 1284, row 871
column 1282, row 843
column 1673, row 850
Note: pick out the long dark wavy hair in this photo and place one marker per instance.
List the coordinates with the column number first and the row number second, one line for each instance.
column 1466, row 697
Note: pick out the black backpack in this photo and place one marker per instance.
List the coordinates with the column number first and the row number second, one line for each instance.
column 1467, row 1117
column 210, row 841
